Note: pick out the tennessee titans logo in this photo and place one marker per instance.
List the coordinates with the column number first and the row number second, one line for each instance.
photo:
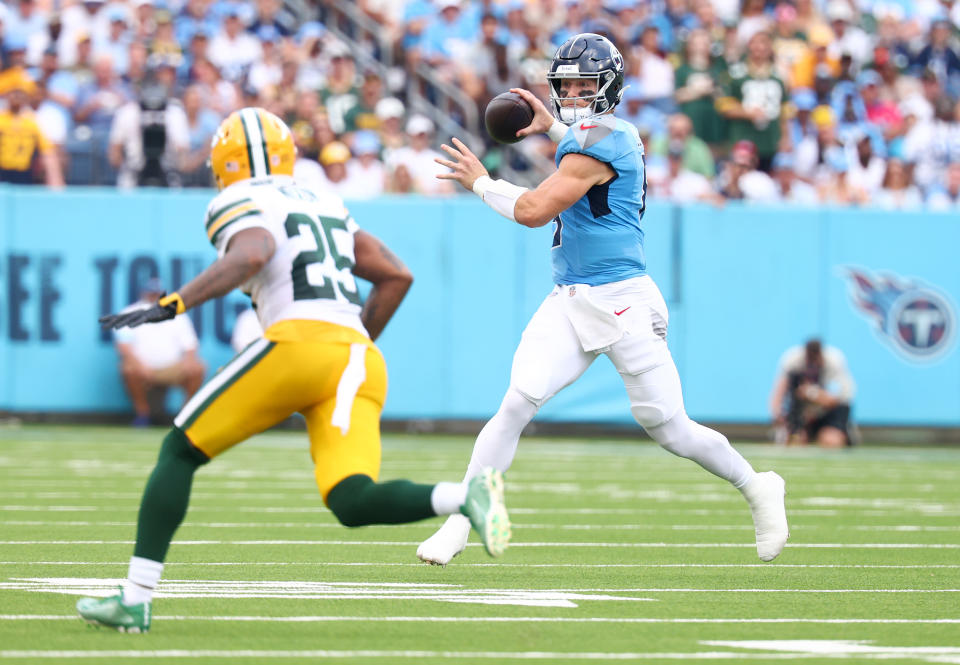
column 916, row 320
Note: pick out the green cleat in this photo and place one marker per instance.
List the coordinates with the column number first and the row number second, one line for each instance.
column 487, row 511
column 112, row 613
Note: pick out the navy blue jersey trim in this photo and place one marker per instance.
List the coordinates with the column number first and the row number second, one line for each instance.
column 597, row 197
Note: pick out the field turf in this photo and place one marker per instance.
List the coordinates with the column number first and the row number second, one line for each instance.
column 621, row 552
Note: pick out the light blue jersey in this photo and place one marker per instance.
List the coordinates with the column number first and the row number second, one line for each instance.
column 599, row 239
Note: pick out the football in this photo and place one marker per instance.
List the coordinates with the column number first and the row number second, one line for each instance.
column 506, row 114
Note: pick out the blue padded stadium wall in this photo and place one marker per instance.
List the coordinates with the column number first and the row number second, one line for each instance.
column 742, row 283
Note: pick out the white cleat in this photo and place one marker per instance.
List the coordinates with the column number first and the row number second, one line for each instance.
column 765, row 494
column 447, row 542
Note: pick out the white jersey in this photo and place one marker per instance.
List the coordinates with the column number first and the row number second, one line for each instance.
column 309, row 276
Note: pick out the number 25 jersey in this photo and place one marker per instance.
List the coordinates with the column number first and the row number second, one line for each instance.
column 309, row 275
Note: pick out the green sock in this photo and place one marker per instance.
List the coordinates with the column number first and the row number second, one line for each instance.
column 357, row 501
column 166, row 495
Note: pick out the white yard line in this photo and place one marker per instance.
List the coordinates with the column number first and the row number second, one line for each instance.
column 388, row 543
column 383, row 564
column 449, row 619
column 467, row 655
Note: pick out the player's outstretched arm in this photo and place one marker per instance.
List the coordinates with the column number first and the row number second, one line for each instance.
column 249, row 250
column 390, row 278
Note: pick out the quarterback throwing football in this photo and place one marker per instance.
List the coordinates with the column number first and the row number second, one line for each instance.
column 295, row 252
column 604, row 300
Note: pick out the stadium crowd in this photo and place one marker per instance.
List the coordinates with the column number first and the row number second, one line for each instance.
column 846, row 102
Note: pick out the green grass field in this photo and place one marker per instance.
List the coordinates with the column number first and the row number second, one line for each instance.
column 621, row 552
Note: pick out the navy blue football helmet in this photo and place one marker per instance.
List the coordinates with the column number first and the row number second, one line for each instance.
column 587, row 55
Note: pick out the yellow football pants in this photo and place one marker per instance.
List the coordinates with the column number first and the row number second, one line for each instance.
column 332, row 374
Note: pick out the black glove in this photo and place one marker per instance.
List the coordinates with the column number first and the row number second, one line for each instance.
column 167, row 307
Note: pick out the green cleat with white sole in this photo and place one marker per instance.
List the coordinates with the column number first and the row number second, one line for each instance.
column 112, row 613
column 487, row 511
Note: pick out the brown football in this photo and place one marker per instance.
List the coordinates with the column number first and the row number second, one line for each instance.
column 507, row 114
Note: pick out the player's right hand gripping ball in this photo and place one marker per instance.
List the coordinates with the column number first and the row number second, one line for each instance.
column 507, row 114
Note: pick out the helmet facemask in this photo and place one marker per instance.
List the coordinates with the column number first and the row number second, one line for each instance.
column 571, row 113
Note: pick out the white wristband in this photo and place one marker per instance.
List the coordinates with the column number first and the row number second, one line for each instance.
column 499, row 194
column 557, row 131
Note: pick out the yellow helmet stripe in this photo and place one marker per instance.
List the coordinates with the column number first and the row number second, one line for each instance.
column 256, row 146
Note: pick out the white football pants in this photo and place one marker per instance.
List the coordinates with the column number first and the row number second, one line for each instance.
column 551, row 357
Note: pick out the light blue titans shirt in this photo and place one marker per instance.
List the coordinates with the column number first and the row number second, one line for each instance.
column 599, row 238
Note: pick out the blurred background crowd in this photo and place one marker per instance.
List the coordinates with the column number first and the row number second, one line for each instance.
column 844, row 102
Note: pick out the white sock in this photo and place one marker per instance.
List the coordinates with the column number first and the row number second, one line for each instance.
column 142, row 578
column 447, row 498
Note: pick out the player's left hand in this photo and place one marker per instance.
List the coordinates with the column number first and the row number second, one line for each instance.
column 465, row 168
column 167, row 307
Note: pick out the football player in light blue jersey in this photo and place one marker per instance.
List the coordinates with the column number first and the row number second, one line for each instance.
column 603, row 302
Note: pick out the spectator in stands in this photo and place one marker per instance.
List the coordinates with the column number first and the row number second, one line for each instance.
column 790, row 188
column 866, row 167
column 848, row 38
column 649, row 120
column 696, row 153
column 742, row 180
column 698, row 82
column 116, row 43
column 650, row 71
column 938, row 56
column 815, row 58
column 363, row 114
column 365, row 171
column 271, row 13
column 813, row 151
column 340, row 93
column 233, row 49
column 25, row 20
column 149, row 139
column 801, row 125
column 82, row 67
column 675, row 182
column 78, row 21
column 334, row 157
column 754, row 103
column 160, row 355
column 21, row 140
column 195, row 16
column 390, row 112
column 834, row 186
column 221, row 96
column 898, row 191
column 493, row 64
column 447, row 36
column 812, row 395
column 202, row 124
column 752, row 19
column 137, row 58
column 98, row 101
column 399, row 180
column 880, row 109
column 946, row 198
column 142, row 21
column 418, row 157
column 59, row 90
column 165, row 41
column 266, row 72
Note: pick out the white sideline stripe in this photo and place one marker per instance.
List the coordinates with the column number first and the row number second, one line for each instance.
column 352, row 378
column 490, row 655
column 869, row 546
column 449, row 619
column 369, row 564
column 230, row 369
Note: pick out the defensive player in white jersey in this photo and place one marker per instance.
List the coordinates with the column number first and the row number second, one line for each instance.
column 604, row 301
column 296, row 253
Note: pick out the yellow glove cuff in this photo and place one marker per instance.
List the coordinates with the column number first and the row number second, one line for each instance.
column 173, row 298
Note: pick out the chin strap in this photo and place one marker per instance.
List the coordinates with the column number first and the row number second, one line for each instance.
column 499, row 194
